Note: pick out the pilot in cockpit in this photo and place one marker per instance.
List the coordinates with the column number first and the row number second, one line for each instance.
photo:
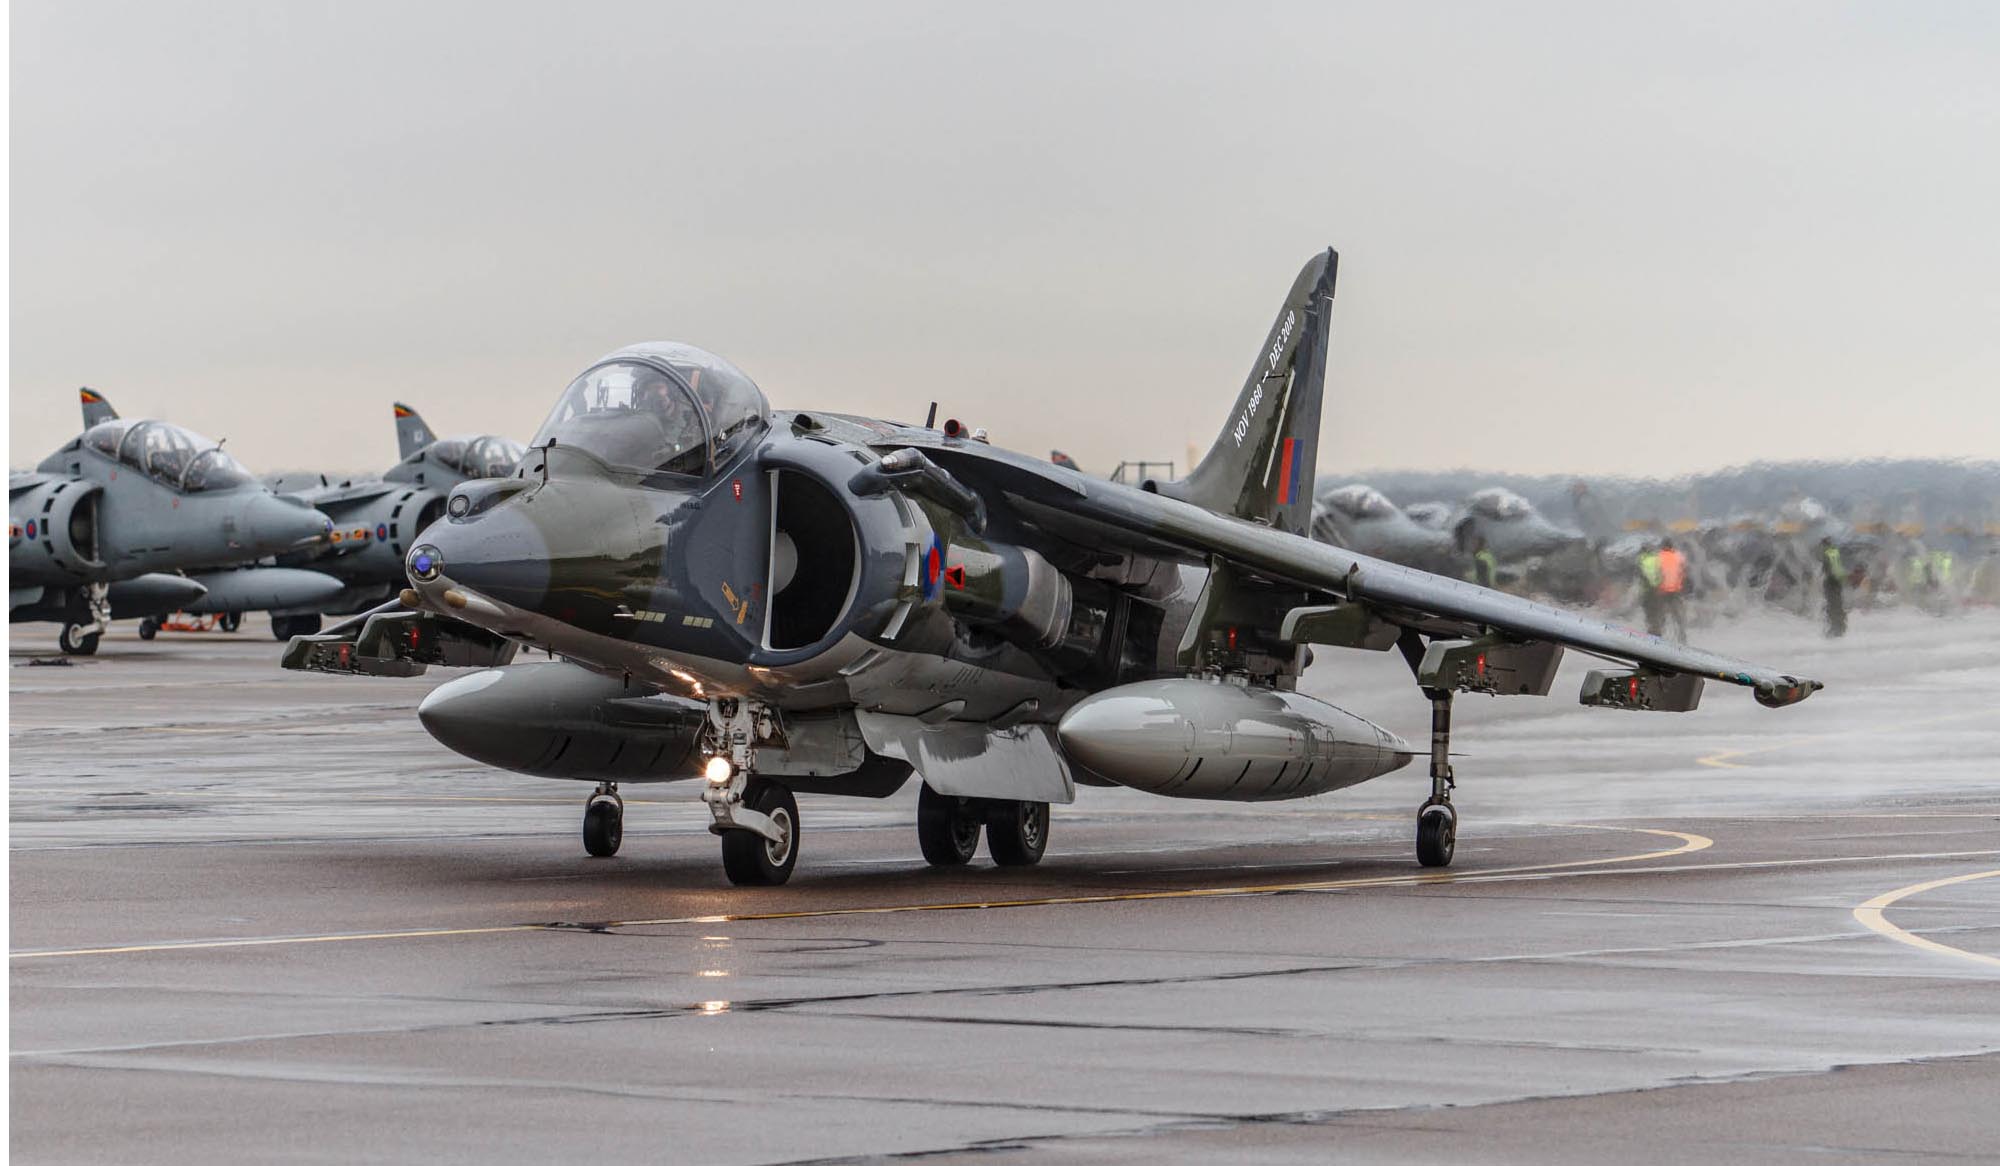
column 659, row 396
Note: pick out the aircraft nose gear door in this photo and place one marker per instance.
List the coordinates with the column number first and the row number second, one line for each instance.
column 757, row 818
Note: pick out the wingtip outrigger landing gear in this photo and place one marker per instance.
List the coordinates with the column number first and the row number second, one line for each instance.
column 1437, row 822
column 604, row 821
column 757, row 818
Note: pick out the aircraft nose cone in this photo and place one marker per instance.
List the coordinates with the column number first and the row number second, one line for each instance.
column 274, row 523
column 500, row 555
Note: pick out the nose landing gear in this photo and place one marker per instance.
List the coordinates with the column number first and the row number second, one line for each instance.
column 80, row 639
column 757, row 818
column 752, row 858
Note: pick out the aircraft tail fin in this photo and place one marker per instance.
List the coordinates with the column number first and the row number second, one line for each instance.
column 1261, row 466
column 411, row 432
column 96, row 408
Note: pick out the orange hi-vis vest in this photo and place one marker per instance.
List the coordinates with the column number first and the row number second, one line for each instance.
column 1673, row 571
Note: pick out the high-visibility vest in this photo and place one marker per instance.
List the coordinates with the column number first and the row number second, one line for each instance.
column 1649, row 568
column 1673, row 571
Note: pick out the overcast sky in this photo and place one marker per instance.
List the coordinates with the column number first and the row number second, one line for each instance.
column 1603, row 238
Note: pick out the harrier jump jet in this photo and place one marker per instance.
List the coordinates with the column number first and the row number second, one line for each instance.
column 106, row 525
column 1360, row 519
column 374, row 521
column 779, row 601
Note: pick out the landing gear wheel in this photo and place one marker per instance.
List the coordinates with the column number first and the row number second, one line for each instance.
column 947, row 828
column 148, row 628
column 603, row 827
column 751, row 860
column 231, row 620
column 1017, row 832
column 284, row 627
column 74, row 642
column 1437, row 833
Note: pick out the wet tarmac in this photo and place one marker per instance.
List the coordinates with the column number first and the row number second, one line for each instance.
column 262, row 916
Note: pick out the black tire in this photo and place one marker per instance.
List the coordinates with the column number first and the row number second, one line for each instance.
column 74, row 643
column 231, row 620
column 603, row 827
column 1437, row 834
column 284, row 627
column 148, row 628
column 1017, row 832
column 747, row 858
column 947, row 828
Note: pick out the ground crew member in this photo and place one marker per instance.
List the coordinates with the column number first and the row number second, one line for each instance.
column 1833, row 580
column 1485, row 568
column 1649, row 587
column 1673, row 589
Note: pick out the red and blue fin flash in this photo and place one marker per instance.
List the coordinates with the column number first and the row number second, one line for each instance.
column 1288, row 472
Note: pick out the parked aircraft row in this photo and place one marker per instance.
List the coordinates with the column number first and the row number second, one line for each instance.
column 1436, row 536
column 142, row 518
column 1770, row 557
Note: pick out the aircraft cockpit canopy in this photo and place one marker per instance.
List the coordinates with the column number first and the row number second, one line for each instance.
column 1499, row 504
column 168, row 454
column 659, row 407
column 1361, row 501
column 478, row 457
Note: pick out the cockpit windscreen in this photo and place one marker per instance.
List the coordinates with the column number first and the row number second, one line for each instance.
column 670, row 408
column 168, row 454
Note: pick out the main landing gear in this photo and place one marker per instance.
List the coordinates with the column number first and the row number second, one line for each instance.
column 604, row 821
column 948, row 829
column 1437, row 822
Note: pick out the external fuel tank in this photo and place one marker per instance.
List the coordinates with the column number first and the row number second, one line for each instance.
column 1195, row 738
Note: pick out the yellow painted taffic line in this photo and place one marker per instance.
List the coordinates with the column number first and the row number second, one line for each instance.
column 1870, row 915
column 1721, row 758
column 269, row 796
column 1689, row 844
column 274, row 941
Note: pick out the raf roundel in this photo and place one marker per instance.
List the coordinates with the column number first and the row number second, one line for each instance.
column 933, row 567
